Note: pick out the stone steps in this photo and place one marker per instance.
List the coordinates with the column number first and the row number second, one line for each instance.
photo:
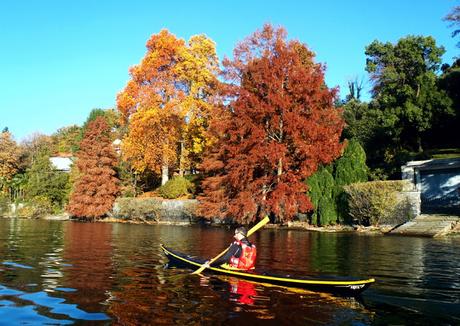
column 428, row 226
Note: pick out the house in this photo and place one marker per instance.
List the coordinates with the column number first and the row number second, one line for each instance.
column 61, row 163
column 438, row 182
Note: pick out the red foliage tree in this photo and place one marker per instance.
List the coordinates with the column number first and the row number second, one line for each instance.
column 277, row 125
column 97, row 187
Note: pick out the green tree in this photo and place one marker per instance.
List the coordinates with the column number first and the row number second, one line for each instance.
column 33, row 146
column 111, row 117
column 405, row 88
column 361, row 121
column 351, row 167
column 321, row 192
column 454, row 19
column 446, row 130
column 348, row 169
column 326, row 185
column 66, row 139
column 43, row 180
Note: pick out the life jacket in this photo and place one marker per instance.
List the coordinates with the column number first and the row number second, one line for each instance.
column 247, row 259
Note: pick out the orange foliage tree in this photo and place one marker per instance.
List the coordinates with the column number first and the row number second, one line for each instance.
column 165, row 104
column 96, row 187
column 277, row 125
column 9, row 156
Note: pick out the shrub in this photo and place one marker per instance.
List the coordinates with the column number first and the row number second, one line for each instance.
column 36, row 207
column 196, row 180
column 155, row 209
column 176, row 187
column 137, row 209
column 376, row 202
column 128, row 191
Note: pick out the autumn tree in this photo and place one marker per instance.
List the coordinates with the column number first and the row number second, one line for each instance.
column 9, row 156
column 9, row 160
column 165, row 104
column 197, row 71
column 33, row 146
column 73, row 135
column 276, row 125
column 97, row 187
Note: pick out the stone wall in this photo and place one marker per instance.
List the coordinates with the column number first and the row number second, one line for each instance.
column 154, row 209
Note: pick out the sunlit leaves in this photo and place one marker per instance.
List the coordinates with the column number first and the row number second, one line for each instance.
column 96, row 186
column 9, row 156
column 279, row 125
column 166, row 103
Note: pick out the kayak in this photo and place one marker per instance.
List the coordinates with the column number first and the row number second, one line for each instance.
column 337, row 285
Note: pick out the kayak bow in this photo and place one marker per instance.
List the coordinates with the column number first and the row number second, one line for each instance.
column 343, row 286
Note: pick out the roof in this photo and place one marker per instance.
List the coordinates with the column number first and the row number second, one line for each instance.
column 441, row 164
column 61, row 163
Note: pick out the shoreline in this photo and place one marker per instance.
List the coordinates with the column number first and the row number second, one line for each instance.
column 295, row 225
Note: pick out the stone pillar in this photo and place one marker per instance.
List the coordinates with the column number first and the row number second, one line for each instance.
column 408, row 173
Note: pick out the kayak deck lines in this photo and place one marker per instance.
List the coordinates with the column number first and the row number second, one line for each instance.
column 344, row 286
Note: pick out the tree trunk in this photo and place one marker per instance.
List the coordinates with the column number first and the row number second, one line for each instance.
column 280, row 161
column 280, row 167
column 182, row 159
column 164, row 173
column 419, row 144
column 165, row 165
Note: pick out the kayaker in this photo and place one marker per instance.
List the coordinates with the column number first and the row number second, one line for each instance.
column 240, row 255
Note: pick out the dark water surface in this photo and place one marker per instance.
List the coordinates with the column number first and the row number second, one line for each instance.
column 82, row 273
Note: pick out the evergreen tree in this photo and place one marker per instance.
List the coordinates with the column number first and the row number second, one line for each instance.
column 348, row 169
column 405, row 88
column 326, row 185
column 97, row 187
column 321, row 191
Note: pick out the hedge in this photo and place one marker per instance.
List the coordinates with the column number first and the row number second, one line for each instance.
column 176, row 187
column 377, row 202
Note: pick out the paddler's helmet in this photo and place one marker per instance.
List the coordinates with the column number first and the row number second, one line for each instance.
column 242, row 230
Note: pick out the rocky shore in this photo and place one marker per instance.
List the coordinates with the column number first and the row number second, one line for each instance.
column 152, row 211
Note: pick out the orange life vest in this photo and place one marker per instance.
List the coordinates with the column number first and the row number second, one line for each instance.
column 247, row 259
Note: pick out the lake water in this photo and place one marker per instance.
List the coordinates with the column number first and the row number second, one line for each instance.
column 55, row 272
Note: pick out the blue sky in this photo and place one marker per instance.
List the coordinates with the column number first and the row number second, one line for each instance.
column 60, row 59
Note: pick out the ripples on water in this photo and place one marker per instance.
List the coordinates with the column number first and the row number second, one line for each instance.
column 78, row 273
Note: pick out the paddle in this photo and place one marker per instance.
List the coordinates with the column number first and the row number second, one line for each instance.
column 264, row 221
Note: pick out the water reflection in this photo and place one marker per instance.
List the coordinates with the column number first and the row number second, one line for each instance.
column 55, row 272
column 31, row 280
column 88, row 254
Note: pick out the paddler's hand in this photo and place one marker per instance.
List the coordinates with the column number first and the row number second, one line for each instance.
column 207, row 264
